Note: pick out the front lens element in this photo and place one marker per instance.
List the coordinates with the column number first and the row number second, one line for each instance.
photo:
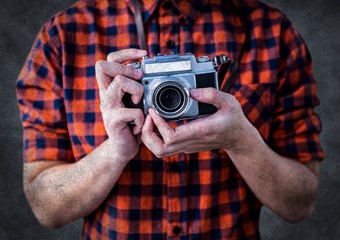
column 170, row 98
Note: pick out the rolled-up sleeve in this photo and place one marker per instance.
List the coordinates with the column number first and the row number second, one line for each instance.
column 41, row 100
column 296, row 127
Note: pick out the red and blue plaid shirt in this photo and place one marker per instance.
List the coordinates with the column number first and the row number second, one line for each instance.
column 186, row 196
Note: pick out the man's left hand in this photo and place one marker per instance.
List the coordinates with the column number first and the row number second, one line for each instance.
column 222, row 130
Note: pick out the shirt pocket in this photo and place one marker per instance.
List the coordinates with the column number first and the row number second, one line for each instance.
column 257, row 102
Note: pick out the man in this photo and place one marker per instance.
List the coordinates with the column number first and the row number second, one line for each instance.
column 205, row 179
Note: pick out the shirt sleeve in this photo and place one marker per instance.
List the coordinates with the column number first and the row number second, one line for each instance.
column 41, row 100
column 296, row 127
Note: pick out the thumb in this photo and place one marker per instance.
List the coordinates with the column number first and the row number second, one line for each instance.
column 207, row 95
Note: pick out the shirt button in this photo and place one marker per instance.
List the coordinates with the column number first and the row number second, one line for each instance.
column 170, row 44
column 167, row 6
column 174, row 167
column 176, row 230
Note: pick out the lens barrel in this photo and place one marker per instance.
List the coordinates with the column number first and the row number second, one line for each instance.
column 170, row 99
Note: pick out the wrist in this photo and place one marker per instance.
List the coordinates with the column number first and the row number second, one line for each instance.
column 112, row 155
column 247, row 142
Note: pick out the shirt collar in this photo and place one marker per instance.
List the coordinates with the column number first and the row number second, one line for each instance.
column 189, row 9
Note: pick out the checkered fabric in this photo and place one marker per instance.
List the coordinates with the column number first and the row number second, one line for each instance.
column 186, row 196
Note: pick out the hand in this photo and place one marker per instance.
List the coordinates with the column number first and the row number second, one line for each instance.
column 222, row 130
column 114, row 80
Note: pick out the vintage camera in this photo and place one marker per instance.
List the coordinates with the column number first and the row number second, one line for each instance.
column 167, row 81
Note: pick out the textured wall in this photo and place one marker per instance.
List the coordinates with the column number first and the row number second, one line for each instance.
column 318, row 22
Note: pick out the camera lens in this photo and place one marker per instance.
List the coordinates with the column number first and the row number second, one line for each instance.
column 170, row 98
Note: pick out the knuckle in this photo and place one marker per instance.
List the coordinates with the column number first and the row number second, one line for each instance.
column 104, row 103
column 111, row 125
column 117, row 68
column 121, row 112
column 120, row 68
column 159, row 153
column 169, row 139
column 111, row 56
column 128, row 70
column 100, row 64
column 119, row 79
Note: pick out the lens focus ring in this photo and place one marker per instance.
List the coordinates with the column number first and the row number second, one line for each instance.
column 170, row 99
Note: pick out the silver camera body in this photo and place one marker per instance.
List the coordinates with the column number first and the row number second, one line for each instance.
column 167, row 81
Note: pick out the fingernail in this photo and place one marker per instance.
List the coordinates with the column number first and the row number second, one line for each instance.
column 195, row 93
column 137, row 72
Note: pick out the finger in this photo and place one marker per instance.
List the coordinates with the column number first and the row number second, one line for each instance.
column 116, row 90
column 167, row 132
column 210, row 95
column 125, row 55
column 189, row 146
column 103, row 79
column 190, row 131
column 156, row 145
column 106, row 71
column 123, row 116
column 139, row 122
column 150, row 139
column 148, row 125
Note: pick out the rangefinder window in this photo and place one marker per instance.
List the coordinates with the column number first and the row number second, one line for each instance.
column 166, row 67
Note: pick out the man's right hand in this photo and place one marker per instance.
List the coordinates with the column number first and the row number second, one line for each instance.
column 60, row 192
column 114, row 80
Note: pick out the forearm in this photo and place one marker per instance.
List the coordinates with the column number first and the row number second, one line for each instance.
column 286, row 186
column 66, row 192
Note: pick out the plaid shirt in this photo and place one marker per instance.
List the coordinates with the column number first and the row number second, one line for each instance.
column 186, row 196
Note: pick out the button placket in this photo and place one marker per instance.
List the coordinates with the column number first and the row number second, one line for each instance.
column 169, row 29
column 170, row 44
column 176, row 230
column 167, row 5
column 177, row 199
column 176, row 174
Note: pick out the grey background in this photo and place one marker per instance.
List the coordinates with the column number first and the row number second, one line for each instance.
column 318, row 22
